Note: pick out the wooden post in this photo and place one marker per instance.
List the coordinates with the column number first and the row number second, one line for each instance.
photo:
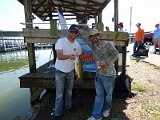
column 30, row 46
column 53, row 31
column 53, row 27
column 124, row 56
column 115, row 15
column 116, row 27
column 100, row 24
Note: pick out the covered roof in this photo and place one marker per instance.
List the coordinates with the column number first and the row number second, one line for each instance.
column 71, row 9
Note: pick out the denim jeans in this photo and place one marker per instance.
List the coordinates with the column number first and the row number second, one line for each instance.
column 136, row 45
column 103, row 100
column 63, row 81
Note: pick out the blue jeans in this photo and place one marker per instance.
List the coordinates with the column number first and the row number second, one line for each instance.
column 63, row 81
column 103, row 100
column 136, row 45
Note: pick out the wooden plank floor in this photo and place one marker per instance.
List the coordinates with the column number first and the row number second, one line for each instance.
column 45, row 78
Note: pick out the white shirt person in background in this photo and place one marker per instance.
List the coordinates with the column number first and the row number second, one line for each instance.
column 120, row 26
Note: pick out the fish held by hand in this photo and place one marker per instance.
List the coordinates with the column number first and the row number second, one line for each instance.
column 78, row 67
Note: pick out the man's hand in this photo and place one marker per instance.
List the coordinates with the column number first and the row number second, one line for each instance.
column 72, row 57
column 101, row 64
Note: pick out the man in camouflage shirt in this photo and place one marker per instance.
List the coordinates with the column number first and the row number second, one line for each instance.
column 104, row 54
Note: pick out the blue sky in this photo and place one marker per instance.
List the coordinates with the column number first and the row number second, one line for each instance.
column 144, row 11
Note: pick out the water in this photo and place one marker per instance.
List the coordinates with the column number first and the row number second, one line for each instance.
column 15, row 101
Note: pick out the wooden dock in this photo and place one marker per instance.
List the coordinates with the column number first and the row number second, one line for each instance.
column 45, row 78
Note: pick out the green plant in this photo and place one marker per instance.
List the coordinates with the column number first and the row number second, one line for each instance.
column 153, row 112
column 156, row 67
column 138, row 87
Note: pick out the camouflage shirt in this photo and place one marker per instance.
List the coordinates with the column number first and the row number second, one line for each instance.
column 105, row 51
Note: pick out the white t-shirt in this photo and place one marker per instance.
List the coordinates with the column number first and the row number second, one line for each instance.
column 121, row 30
column 68, row 48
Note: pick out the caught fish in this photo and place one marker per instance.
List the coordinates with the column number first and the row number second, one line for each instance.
column 78, row 67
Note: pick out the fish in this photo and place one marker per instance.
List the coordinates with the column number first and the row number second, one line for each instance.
column 78, row 68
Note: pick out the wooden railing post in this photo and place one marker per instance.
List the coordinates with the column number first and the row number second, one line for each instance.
column 53, row 31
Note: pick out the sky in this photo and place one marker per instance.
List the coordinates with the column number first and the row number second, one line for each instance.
column 145, row 12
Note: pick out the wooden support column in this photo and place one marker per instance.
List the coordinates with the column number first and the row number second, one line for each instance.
column 53, row 32
column 115, row 15
column 30, row 46
column 124, row 58
column 100, row 24
column 116, row 27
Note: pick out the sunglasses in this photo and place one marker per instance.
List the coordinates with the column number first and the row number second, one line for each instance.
column 94, row 35
column 73, row 31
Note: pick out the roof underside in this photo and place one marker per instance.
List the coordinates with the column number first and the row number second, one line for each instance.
column 71, row 9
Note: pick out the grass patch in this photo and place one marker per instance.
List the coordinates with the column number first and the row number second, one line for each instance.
column 153, row 112
column 156, row 67
column 140, row 60
column 139, row 87
column 150, row 63
column 132, row 58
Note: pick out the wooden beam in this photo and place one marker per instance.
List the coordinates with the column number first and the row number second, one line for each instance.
column 44, row 36
column 67, row 5
column 36, row 94
column 45, row 33
column 41, row 40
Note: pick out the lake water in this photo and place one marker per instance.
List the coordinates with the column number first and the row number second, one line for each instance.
column 15, row 101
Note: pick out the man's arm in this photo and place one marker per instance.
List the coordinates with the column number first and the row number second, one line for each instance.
column 84, row 37
column 113, row 54
column 60, row 55
column 142, row 36
column 153, row 37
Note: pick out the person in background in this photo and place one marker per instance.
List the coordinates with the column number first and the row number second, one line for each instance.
column 67, row 50
column 139, row 38
column 84, row 25
column 156, row 37
column 107, row 28
column 120, row 29
column 104, row 54
column 120, row 26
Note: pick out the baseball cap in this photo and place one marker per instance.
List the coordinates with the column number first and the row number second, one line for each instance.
column 120, row 23
column 74, row 26
column 138, row 24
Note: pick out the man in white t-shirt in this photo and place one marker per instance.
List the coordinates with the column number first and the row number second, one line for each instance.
column 67, row 50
